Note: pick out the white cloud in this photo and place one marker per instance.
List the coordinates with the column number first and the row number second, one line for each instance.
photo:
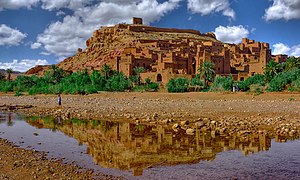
column 231, row 34
column 205, row 7
column 35, row 45
column 295, row 51
column 281, row 48
column 16, row 4
column 10, row 36
column 283, row 9
column 60, row 13
column 63, row 38
column 22, row 65
column 58, row 4
column 45, row 53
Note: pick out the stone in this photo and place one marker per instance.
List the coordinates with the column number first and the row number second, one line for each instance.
column 176, row 126
column 183, row 123
column 199, row 124
column 190, row 131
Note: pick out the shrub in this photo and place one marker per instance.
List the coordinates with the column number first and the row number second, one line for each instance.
column 196, row 82
column 280, row 81
column 178, row 85
column 117, row 82
column 147, row 80
column 256, row 79
column 256, row 89
column 139, row 88
column 153, row 86
column 222, row 84
column 6, row 86
column 295, row 86
column 18, row 93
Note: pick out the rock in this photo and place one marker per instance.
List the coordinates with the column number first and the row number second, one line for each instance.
column 166, row 121
column 183, row 123
column 199, row 124
column 190, row 131
column 176, row 126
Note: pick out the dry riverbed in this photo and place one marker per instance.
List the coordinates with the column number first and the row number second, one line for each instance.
column 217, row 113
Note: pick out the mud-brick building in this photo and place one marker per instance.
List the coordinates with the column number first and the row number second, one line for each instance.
column 167, row 53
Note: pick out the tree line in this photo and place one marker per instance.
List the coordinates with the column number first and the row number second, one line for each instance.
column 276, row 77
column 56, row 81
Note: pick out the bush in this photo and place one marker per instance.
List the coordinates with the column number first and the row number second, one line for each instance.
column 196, row 82
column 256, row 79
column 256, row 89
column 139, row 88
column 18, row 93
column 117, row 82
column 222, row 84
column 282, row 80
column 178, row 85
column 153, row 86
column 6, row 86
column 295, row 86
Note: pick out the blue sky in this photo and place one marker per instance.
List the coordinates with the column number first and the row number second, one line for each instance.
column 36, row 32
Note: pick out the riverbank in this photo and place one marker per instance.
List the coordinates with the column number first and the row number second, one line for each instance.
column 275, row 111
column 18, row 163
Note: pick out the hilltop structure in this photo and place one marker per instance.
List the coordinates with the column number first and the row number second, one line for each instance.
column 166, row 53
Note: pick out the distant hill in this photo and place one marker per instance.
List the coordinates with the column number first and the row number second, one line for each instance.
column 14, row 75
column 14, row 72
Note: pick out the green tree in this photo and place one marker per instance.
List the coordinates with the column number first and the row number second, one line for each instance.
column 54, row 75
column 291, row 63
column 2, row 76
column 9, row 72
column 271, row 70
column 106, row 71
column 178, row 85
column 138, row 71
column 207, row 72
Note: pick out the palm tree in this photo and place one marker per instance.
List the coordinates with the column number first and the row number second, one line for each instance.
column 55, row 74
column 138, row 71
column 271, row 70
column 207, row 71
column 291, row 63
column 2, row 76
column 9, row 72
column 106, row 70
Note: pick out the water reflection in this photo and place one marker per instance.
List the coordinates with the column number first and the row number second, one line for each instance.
column 136, row 147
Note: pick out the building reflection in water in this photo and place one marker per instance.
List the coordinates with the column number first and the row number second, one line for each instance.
column 136, row 147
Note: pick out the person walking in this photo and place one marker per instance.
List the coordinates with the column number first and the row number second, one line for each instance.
column 59, row 100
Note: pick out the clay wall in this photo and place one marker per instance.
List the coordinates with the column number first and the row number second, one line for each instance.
column 137, row 20
column 280, row 58
column 156, row 29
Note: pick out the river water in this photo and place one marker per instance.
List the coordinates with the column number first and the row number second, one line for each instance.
column 137, row 151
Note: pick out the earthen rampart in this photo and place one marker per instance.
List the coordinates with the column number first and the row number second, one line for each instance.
column 166, row 30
